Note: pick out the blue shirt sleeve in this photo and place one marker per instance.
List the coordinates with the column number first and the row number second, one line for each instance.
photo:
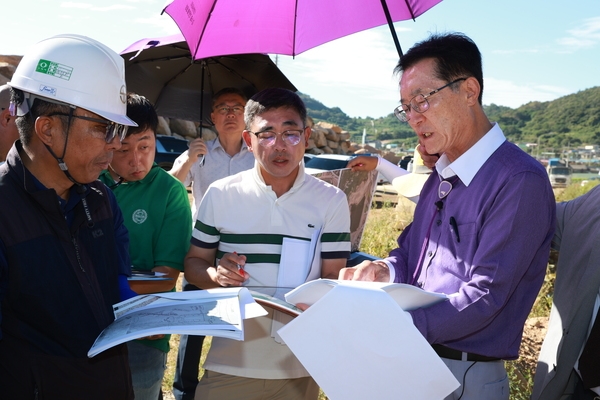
column 124, row 288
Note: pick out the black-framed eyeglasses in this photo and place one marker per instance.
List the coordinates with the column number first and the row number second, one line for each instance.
column 112, row 128
column 289, row 136
column 224, row 110
column 419, row 103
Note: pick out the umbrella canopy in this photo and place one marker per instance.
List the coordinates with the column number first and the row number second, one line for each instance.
column 162, row 70
column 214, row 27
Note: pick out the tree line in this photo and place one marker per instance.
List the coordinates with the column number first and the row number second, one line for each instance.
column 569, row 121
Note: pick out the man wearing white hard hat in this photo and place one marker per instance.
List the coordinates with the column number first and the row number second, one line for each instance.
column 63, row 245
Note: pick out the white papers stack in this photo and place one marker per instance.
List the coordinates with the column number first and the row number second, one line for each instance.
column 358, row 343
column 214, row 312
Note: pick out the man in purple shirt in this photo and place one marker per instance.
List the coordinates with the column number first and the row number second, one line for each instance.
column 483, row 224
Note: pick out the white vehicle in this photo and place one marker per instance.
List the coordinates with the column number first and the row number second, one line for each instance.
column 560, row 175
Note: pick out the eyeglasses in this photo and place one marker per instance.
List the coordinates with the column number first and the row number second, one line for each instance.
column 290, row 136
column 419, row 103
column 112, row 128
column 224, row 110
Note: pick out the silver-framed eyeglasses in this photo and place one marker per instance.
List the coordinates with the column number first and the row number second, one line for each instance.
column 419, row 103
column 289, row 136
column 112, row 128
column 224, row 110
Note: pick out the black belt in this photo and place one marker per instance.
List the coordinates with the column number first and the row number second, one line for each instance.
column 452, row 354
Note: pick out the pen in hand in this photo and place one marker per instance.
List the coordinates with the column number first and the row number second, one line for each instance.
column 239, row 267
column 454, row 226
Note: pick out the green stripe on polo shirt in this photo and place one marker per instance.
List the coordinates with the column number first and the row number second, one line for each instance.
column 206, row 229
column 257, row 258
column 260, row 238
column 335, row 237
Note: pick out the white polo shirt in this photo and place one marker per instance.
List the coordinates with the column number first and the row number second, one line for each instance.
column 241, row 213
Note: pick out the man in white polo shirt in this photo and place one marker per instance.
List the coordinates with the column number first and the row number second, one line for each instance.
column 255, row 229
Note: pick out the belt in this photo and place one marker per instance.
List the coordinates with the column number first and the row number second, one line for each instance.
column 452, row 354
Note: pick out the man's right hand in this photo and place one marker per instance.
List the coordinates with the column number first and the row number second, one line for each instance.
column 371, row 271
column 230, row 271
column 363, row 163
column 197, row 149
column 183, row 163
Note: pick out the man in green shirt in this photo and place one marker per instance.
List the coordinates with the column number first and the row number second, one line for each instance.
column 156, row 211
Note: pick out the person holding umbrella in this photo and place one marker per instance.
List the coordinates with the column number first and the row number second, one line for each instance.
column 483, row 224
column 225, row 155
column 201, row 165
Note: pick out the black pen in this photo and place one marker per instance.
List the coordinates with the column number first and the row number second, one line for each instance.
column 454, row 226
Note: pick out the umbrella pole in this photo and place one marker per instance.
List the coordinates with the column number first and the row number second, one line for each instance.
column 203, row 63
column 202, row 96
column 388, row 17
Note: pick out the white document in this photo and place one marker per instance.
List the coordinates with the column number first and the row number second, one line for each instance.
column 408, row 297
column 214, row 312
column 293, row 266
column 358, row 343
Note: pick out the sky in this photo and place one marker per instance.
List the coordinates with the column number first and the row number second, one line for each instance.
column 533, row 50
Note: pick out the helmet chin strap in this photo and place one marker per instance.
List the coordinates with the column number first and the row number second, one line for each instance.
column 117, row 183
column 61, row 161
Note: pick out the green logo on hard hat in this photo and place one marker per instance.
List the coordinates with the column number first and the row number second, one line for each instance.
column 54, row 69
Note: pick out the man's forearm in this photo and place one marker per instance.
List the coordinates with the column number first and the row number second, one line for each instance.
column 181, row 170
column 199, row 273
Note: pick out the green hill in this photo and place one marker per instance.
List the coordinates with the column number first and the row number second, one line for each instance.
column 569, row 121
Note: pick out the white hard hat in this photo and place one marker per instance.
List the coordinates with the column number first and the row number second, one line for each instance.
column 75, row 70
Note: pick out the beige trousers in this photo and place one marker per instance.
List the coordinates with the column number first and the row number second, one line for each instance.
column 217, row 386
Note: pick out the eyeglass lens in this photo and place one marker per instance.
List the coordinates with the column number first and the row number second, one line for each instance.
column 268, row 138
column 419, row 103
column 224, row 110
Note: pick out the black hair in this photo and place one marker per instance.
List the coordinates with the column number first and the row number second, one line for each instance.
column 142, row 112
column 228, row 90
column 26, row 123
column 271, row 98
column 456, row 55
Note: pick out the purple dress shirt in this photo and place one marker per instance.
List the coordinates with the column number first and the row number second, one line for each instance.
column 505, row 220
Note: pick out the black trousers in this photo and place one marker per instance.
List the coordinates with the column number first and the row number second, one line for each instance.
column 582, row 393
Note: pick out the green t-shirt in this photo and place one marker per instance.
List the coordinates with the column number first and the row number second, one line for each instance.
column 156, row 212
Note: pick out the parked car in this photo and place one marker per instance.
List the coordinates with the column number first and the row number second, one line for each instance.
column 307, row 157
column 168, row 148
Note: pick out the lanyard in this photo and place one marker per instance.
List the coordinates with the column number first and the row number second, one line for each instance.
column 444, row 189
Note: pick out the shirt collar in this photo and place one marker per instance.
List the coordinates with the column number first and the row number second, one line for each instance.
column 297, row 183
column 470, row 162
column 217, row 144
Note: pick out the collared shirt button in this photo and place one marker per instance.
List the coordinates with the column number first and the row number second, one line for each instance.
column 438, row 222
column 429, row 254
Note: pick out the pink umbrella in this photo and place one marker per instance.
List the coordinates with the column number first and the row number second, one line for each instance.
column 217, row 27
